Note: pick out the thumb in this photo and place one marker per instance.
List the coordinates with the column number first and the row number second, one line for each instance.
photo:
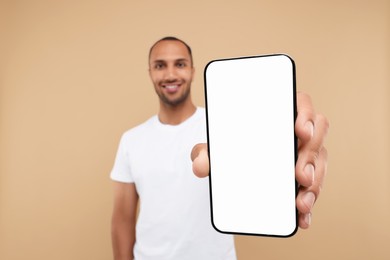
column 200, row 160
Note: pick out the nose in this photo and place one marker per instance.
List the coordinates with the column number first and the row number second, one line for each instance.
column 170, row 73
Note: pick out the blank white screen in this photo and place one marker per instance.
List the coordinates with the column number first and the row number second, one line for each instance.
column 250, row 120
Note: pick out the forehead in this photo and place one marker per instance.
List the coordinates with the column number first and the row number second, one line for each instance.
column 169, row 51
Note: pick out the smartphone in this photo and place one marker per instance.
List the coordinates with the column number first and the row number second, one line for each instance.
column 250, row 112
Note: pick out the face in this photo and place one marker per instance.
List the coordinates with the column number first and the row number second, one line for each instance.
column 171, row 71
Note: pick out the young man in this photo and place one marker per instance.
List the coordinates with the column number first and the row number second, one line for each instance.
column 153, row 167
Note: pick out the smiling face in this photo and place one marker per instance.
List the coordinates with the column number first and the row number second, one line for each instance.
column 171, row 71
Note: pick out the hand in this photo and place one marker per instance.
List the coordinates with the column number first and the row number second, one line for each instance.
column 311, row 166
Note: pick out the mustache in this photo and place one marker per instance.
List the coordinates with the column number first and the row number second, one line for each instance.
column 170, row 81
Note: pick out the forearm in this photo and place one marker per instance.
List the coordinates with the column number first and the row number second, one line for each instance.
column 123, row 238
column 123, row 220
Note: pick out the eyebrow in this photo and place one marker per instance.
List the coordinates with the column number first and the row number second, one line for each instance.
column 178, row 60
column 186, row 60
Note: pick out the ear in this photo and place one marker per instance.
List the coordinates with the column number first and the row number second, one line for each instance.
column 193, row 72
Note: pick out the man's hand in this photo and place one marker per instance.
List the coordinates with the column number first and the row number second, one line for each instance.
column 310, row 169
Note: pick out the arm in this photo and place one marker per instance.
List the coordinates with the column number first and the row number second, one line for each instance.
column 310, row 169
column 123, row 220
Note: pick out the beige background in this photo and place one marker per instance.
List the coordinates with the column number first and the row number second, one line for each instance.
column 73, row 78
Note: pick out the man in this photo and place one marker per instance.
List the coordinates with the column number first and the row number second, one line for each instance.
column 153, row 166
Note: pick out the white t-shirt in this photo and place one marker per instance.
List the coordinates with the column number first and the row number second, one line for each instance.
column 174, row 220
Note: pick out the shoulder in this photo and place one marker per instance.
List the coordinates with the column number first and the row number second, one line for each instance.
column 201, row 110
column 200, row 117
column 200, row 113
column 140, row 130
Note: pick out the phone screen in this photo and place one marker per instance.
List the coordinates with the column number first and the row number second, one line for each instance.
column 250, row 111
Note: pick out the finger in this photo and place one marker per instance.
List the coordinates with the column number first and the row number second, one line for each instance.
column 196, row 149
column 304, row 220
column 309, row 151
column 307, row 196
column 321, row 128
column 200, row 160
column 304, row 124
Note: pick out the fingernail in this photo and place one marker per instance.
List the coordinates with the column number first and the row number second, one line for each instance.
column 307, row 219
column 309, row 199
column 309, row 172
column 310, row 128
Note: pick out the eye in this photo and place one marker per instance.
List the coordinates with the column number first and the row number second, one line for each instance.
column 159, row 66
column 180, row 64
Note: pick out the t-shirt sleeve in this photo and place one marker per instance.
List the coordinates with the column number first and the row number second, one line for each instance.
column 122, row 171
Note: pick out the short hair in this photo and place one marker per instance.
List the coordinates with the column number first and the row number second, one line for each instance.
column 171, row 38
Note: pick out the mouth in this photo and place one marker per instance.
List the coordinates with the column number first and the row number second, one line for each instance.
column 171, row 88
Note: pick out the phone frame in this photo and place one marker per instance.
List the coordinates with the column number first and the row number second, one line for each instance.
column 294, row 115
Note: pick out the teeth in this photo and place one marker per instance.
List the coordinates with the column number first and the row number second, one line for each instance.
column 171, row 87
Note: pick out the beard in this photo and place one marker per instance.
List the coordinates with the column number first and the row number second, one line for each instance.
column 174, row 102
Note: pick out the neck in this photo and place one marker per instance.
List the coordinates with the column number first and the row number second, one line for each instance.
column 174, row 115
